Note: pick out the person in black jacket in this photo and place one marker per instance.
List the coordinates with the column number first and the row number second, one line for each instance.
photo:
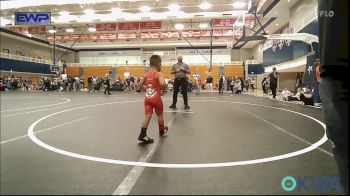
column 90, row 83
column 221, row 85
column 263, row 85
column 334, row 72
column 273, row 81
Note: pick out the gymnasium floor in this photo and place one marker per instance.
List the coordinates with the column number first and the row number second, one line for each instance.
column 237, row 144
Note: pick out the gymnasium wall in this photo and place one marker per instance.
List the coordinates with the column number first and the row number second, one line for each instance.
column 31, row 49
column 287, row 80
column 298, row 10
column 24, row 66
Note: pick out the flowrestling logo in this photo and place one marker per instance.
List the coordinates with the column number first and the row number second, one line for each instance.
column 32, row 18
column 311, row 183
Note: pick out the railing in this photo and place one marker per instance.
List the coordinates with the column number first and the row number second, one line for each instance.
column 306, row 19
column 28, row 59
column 163, row 64
column 248, row 62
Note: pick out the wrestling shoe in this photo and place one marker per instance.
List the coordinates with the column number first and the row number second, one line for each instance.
column 145, row 139
column 164, row 131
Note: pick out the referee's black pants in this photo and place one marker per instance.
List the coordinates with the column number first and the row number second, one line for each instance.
column 183, row 83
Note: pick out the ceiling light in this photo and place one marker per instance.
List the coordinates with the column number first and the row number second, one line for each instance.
column 64, row 13
column 179, row 26
column 89, row 12
column 116, row 10
column 145, row 8
column 203, row 25
column 238, row 4
column 91, row 29
column 277, row 24
column 52, row 31
column 173, row 7
column 205, row 6
column 69, row 30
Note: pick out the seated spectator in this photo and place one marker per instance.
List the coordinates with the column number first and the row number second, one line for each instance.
column 306, row 95
column 285, row 94
column 289, row 96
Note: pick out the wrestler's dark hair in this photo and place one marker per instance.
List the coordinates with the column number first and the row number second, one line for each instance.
column 155, row 60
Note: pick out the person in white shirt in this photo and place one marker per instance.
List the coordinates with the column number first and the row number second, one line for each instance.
column 197, row 83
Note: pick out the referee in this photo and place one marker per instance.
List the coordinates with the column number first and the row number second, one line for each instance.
column 180, row 70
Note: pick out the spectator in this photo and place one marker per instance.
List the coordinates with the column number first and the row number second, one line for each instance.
column 263, row 85
column 306, row 96
column 238, row 86
column 232, row 83
column 246, row 85
column 221, row 85
column 90, row 80
column 252, row 84
column 273, row 81
column 209, row 83
column 289, row 96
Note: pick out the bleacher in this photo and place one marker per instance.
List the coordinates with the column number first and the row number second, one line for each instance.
column 139, row 70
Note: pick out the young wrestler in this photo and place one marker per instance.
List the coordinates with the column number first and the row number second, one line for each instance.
column 154, row 84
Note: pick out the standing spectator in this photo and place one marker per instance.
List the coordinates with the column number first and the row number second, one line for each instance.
column 317, row 70
column 228, row 83
column 221, row 85
column 238, row 86
column 334, row 83
column 209, row 83
column 273, row 81
column 90, row 80
column 132, row 82
column 128, row 84
column 108, row 82
column 232, row 83
column 246, row 85
column 252, row 84
column 263, row 85
column 180, row 70
column 77, row 83
column 197, row 83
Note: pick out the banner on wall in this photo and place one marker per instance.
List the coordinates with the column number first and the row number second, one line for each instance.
column 20, row 30
column 151, row 25
column 169, row 34
column 36, row 30
column 223, row 22
column 150, row 35
column 128, row 26
column 127, row 35
column 106, row 27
